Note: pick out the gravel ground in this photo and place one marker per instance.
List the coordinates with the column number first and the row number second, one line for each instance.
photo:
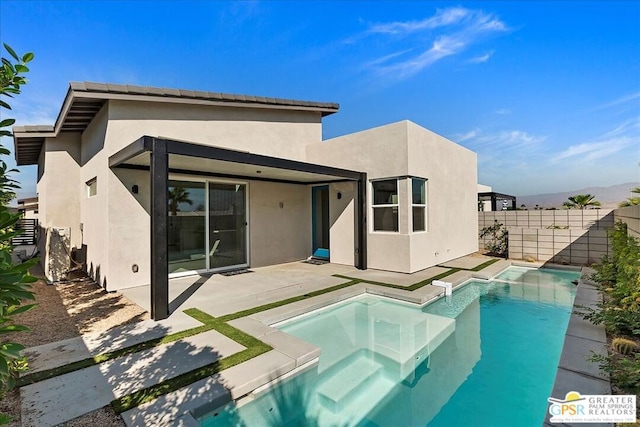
column 68, row 310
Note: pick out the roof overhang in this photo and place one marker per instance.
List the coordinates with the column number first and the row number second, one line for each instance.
column 189, row 158
column 85, row 99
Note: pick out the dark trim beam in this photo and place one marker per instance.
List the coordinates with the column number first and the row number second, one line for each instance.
column 233, row 176
column 216, row 153
column 159, row 240
column 130, row 151
column 361, row 221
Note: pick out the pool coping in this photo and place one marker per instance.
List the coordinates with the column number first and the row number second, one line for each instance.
column 285, row 359
column 575, row 372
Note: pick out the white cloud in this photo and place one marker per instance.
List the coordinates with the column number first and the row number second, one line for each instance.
column 443, row 17
column 589, row 151
column 617, row 102
column 467, row 136
column 449, row 32
column 506, row 139
column 482, row 58
column 626, row 135
column 503, row 111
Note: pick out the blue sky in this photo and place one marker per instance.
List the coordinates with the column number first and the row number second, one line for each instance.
column 547, row 94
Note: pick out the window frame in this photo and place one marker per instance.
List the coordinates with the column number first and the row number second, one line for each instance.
column 420, row 205
column 395, row 205
column 92, row 183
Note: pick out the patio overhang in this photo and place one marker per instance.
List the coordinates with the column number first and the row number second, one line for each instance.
column 495, row 197
column 162, row 156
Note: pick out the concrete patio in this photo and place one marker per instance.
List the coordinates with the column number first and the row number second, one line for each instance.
column 62, row 398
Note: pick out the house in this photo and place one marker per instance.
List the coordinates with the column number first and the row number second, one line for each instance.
column 28, row 207
column 156, row 183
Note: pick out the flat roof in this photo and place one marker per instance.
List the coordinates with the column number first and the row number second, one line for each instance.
column 85, row 99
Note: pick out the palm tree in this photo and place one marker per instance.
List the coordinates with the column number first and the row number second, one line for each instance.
column 178, row 195
column 581, row 201
column 631, row 201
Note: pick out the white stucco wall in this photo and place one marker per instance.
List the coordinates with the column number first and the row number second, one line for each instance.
column 95, row 210
column 278, row 133
column 452, row 198
column 342, row 222
column 59, row 184
column 401, row 150
column 279, row 234
column 59, row 172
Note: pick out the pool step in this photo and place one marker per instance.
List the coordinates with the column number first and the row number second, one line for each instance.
column 335, row 390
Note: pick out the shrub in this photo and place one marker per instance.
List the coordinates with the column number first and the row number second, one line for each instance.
column 618, row 276
column 14, row 279
column 498, row 243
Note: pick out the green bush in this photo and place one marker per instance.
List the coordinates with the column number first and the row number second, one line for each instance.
column 15, row 281
column 618, row 276
column 624, row 371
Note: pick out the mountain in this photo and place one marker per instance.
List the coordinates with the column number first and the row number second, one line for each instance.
column 608, row 196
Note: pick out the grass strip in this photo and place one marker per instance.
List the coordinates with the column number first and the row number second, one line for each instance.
column 484, row 264
column 254, row 347
column 413, row 287
column 352, row 281
column 104, row 357
column 208, row 321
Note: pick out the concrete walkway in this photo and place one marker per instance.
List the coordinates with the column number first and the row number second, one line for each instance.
column 575, row 371
column 68, row 396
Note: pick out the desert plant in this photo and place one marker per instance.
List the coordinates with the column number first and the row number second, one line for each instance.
column 625, row 346
column 498, row 243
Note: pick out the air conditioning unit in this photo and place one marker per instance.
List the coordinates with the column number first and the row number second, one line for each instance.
column 57, row 253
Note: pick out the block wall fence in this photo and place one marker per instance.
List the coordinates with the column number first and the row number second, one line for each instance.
column 559, row 236
column 630, row 216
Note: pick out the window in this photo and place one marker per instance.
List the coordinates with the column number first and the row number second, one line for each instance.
column 419, row 203
column 385, row 205
column 92, row 187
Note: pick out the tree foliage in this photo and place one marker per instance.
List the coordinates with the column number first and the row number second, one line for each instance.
column 15, row 280
column 581, row 201
column 631, row 201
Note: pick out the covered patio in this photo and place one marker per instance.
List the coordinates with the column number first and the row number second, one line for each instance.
column 161, row 156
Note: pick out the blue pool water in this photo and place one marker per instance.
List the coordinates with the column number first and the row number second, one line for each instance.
column 485, row 357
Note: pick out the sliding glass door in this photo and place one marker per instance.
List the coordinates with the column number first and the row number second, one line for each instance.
column 227, row 225
column 186, row 226
column 207, row 227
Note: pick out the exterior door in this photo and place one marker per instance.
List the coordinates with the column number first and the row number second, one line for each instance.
column 320, row 221
column 207, row 226
column 227, row 225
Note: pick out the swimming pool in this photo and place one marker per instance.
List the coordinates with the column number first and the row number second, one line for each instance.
column 486, row 356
